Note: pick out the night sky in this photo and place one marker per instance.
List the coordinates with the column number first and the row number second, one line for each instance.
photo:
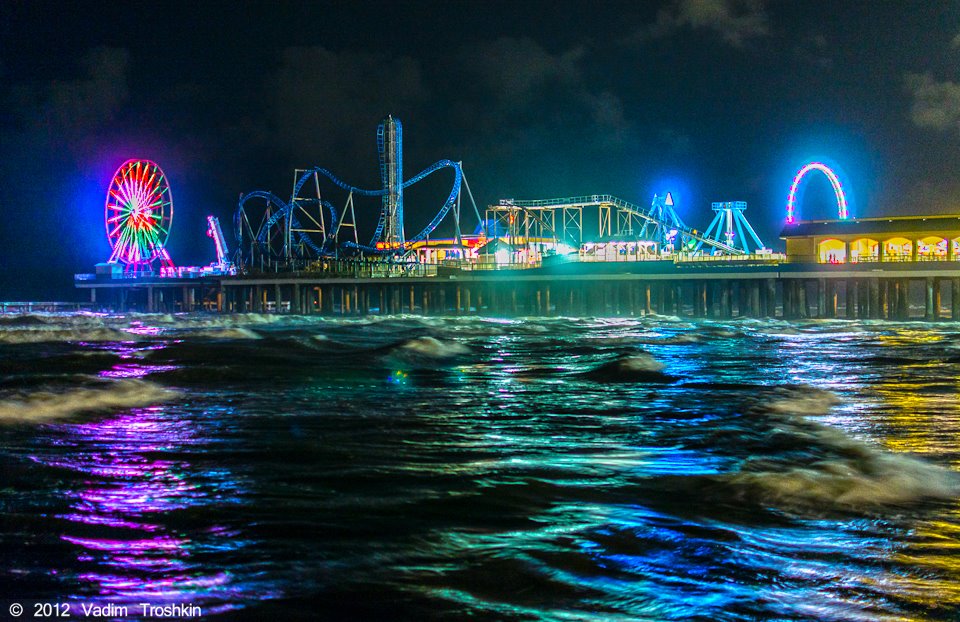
column 712, row 99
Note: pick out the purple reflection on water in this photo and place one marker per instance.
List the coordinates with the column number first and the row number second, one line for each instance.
column 134, row 370
column 135, row 475
column 139, row 328
column 132, row 354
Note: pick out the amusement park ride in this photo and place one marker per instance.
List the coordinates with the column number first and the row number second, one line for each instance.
column 308, row 230
column 271, row 231
column 138, row 217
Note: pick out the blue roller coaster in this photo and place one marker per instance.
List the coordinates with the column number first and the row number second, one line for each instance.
column 307, row 228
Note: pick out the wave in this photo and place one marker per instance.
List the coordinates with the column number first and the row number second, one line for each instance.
column 217, row 321
column 632, row 368
column 803, row 400
column 833, row 470
column 866, row 478
column 431, row 347
column 237, row 332
column 45, row 335
column 678, row 339
column 44, row 406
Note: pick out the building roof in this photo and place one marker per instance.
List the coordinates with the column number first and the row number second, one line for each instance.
column 493, row 245
column 865, row 226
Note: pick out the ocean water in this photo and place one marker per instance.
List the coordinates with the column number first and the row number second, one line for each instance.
column 275, row 467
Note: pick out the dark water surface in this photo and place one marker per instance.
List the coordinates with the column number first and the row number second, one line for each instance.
column 416, row 468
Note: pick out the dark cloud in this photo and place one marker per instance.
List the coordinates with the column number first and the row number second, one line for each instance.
column 815, row 50
column 674, row 142
column 936, row 105
column 734, row 21
column 320, row 103
column 71, row 112
column 515, row 70
column 518, row 81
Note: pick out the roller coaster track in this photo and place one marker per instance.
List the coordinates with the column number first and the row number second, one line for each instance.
column 603, row 200
column 286, row 211
column 433, row 224
column 283, row 211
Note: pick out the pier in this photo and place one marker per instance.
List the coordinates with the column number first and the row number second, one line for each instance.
column 722, row 289
column 594, row 255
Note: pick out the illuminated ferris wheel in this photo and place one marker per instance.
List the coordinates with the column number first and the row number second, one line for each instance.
column 138, row 213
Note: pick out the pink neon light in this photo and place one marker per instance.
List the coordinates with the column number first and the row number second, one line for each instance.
column 834, row 181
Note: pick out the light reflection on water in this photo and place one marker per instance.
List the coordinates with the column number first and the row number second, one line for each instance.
column 321, row 460
column 118, row 516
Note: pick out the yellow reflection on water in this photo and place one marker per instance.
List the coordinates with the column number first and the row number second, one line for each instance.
column 920, row 414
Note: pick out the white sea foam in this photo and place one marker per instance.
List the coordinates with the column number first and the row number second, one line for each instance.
column 803, row 401
column 682, row 338
column 237, row 332
column 44, row 334
column 43, row 406
column 850, row 475
column 434, row 348
column 867, row 478
column 532, row 328
column 637, row 363
column 213, row 321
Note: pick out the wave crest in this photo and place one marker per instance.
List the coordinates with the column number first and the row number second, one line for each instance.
column 633, row 368
column 44, row 335
column 431, row 347
column 43, row 406
column 873, row 479
column 803, row 400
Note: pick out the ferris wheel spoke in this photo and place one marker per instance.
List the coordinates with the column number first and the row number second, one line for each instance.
column 115, row 194
column 140, row 244
column 121, row 244
column 149, row 182
column 152, row 237
column 128, row 194
column 157, row 191
column 138, row 213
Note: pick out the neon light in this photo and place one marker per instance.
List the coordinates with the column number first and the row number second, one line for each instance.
column 834, row 181
column 138, row 214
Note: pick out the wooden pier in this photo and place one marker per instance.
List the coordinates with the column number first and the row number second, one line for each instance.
column 779, row 290
column 883, row 268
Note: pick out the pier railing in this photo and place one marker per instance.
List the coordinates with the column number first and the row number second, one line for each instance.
column 45, row 307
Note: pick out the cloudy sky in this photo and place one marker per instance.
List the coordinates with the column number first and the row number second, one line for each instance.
column 712, row 99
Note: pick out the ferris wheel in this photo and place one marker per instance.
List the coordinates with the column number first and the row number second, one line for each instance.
column 138, row 214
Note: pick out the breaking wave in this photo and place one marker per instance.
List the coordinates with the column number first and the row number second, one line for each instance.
column 431, row 347
column 44, row 335
column 633, row 368
column 43, row 406
column 237, row 332
column 803, row 400
column 835, row 471
column 864, row 478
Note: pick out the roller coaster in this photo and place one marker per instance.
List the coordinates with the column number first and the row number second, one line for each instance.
column 307, row 228
column 273, row 234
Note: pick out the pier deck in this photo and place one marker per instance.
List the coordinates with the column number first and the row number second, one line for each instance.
column 881, row 290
